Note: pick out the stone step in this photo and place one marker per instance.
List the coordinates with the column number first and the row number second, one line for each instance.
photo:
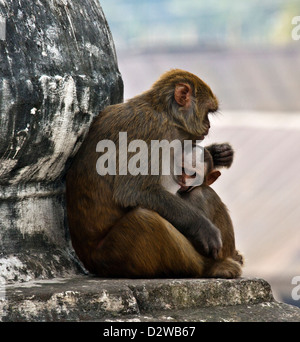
column 86, row 298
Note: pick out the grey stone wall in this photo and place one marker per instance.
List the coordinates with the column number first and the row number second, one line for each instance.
column 58, row 69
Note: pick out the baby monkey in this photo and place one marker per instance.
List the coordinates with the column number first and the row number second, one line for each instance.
column 228, row 262
column 207, row 173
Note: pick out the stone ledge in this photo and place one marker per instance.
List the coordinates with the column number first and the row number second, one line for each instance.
column 85, row 298
column 261, row 312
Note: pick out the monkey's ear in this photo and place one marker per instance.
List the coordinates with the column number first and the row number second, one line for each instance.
column 182, row 94
column 212, row 177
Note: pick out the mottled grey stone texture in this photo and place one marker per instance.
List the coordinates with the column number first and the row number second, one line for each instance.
column 58, row 69
column 85, row 298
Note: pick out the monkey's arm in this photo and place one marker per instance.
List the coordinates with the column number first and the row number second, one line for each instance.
column 222, row 154
column 196, row 227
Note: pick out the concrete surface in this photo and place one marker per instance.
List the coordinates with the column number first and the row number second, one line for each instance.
column 86, row 298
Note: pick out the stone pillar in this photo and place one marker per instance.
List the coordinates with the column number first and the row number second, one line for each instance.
column 58, row 69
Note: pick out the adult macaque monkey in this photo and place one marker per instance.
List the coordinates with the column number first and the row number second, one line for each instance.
column 206, row 200
column 127, row 225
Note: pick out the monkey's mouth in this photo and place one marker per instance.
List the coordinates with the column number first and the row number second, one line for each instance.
column 202, row 137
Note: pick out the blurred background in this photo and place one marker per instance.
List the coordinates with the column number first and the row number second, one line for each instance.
column 249, row 54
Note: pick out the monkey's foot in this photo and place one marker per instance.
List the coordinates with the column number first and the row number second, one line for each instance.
column 227, row 269
column 238, row 257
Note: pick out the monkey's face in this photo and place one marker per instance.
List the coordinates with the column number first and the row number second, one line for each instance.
column 193, row 168
column 205, row 125
column 194, row 104
column 188, row 101
column 205, row 104
column 195, row 119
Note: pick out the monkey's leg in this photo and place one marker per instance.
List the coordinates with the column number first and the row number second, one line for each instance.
column 144, row 245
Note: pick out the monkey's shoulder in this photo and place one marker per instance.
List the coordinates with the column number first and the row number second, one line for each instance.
column 139, row 120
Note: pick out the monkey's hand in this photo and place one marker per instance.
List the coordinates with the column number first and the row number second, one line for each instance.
column 207, row 240
column 222, row 154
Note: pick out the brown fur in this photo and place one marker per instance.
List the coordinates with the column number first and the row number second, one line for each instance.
column 229, row 260
column 206, row 200
column 111, row 233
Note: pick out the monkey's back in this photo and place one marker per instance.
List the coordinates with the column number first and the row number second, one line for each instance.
column 218, row 213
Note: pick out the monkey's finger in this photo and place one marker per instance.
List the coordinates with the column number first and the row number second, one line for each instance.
column 218, row 159
column 225, row 154
column 224, row 159
column 205, row 248
column 216, row 250
column 215, row 253
column 225, row 162
column 201, row 246
column 223, row 147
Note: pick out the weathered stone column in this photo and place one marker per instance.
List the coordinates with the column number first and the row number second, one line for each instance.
column 58, row 69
